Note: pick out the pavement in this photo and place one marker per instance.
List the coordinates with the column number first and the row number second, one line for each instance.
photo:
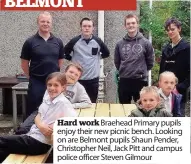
column 6, row 124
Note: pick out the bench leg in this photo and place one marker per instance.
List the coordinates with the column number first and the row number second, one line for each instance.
column 14, row 109
column 24, row 107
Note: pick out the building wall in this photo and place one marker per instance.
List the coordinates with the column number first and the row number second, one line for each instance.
column 16, row 27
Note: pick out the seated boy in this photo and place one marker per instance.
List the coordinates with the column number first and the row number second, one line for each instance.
column 38, row 140
column 75, row 93
column 172, row 100
column 150, row 104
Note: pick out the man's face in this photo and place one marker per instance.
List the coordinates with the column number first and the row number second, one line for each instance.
column 167, row 84
column 149, row 101
column 131, row 25
column 44, row 23
column 173, row 31
column 54, row 88
column 72, row 75
column 87, row 28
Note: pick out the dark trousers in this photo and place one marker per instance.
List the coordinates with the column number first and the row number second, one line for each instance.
column 129, row 88
column 18, row 144
column 91, row 87
column 185, row 92
column 26, row 125
column 183, row 101
column 36, row 92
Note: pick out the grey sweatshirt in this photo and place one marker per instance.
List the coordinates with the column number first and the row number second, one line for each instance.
column 77, row 95
column 134, row 57
column 88, row 54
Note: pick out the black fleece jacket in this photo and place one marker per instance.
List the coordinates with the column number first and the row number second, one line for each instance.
column 177, row 60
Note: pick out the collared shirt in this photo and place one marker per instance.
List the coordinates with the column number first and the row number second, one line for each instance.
column 173, row 45
column 167, row 101
column 43, row 55
column 50, row 111
column 87, row 40
column 77, row 95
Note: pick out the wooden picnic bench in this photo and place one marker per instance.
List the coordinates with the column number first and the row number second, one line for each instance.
column 97, row 110
column 107, row 110
column 27, row 159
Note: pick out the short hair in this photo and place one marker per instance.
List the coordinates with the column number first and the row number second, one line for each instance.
column 170, row 21
column 168, row 73
column 61, row 78
column 76, row 65
column 131, row 16
column 44, row 13
column 150, row 89
column 86, row 19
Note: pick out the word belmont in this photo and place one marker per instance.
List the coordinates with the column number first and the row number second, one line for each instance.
column 43, row 3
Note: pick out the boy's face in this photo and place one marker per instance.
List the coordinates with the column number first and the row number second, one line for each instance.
column 87, row 28
column 54, row 88
column 44, row 23
column 149, row 101
column 173, row 31
column 72, row 75
column 167, row 84
column 131, row 25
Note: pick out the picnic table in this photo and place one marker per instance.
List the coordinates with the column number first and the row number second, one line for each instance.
column 107, row 110
column 6, row 84
column 97, row 110
column 19, row 89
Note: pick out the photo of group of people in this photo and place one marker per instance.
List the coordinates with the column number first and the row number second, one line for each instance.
column 63, row 75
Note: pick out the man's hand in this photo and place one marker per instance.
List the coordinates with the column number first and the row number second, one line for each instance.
column 25, row 67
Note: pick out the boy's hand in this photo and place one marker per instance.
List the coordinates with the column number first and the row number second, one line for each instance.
column 46, row 129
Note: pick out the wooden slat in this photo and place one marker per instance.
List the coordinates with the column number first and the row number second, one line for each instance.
column 117, row 110
column 15, row 158
column 87, row 112
column 102, row 110
column 37, row 158
column 128, row 108
column 78, row 111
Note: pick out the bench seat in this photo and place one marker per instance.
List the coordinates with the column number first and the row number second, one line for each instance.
column 20, row 158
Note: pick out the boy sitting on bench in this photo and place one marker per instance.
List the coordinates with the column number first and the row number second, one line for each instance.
column 75, row 93
column 38, row 139
column 150, row 104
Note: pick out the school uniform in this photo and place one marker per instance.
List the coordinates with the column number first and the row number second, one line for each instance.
column 34, row 142
column 75, row 93
column 173, row 103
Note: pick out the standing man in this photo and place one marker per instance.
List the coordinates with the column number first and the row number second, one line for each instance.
column 87, row 50
column 41, row 55
column 133, row 58
column 176, row 58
